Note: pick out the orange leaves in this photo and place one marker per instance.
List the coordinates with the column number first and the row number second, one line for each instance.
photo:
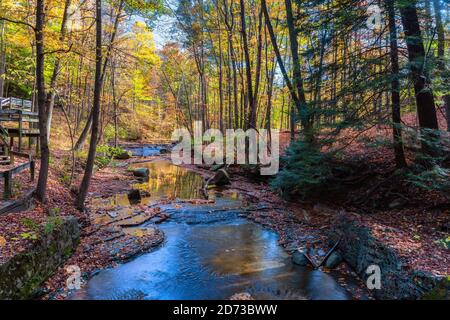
column 2, row 241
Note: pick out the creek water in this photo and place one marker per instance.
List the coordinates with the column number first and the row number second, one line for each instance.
column 211, row 252
column 146, row 150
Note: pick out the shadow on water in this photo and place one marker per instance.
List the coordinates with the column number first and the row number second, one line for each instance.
column 210, row 252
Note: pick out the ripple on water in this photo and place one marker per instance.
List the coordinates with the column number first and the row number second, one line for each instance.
column 209, row 253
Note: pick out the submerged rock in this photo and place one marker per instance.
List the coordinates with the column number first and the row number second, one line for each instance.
column 164, row 151
column 136, row 242
column 134, row 196
column 299, row 258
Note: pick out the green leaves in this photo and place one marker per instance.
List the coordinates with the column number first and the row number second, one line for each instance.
column 306, row 170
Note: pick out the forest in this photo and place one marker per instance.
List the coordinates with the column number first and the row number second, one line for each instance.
column 355, row 92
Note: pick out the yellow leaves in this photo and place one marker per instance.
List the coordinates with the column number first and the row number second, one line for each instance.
column 143, row 44
column 2, row 241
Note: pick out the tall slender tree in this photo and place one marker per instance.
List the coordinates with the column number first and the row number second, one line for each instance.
column 82, row 193
column 2, row 57
column 395, row 87
column 441, row 56
column 56, row 70
column 426, row 108
column 41, row 189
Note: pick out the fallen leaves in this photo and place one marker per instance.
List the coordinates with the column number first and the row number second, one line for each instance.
column 2, row 241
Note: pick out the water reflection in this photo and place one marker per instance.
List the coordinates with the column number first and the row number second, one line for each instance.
column 210, row 252
column 213, row 262
column 169, row 181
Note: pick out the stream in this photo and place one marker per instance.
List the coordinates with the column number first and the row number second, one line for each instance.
column 211, row 251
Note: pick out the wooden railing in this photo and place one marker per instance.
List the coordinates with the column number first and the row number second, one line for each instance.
column 18, row 111
column 16, row 104
column 8, row 175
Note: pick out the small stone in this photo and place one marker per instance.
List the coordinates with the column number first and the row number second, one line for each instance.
column 141, row 172
column 299, row 258
column 242, row 296
column 398, row 204
column 334, row 260
column 113, row 214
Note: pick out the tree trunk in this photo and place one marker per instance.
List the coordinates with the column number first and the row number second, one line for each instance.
column 56, row 69
column 115, row 105
column 83, row 136
column 441, row 56
column 95, row 110
column 41, row 188
column 395, row 87
column 426, row 108
column 302, row 108
column 416, row 52
column 221, row 127
column 254, row 106
column 80, row 142
column 447, row 110
column 248, row 68
column 2, row 58
column 235, row 81
column 273, row 39
column 440, row 28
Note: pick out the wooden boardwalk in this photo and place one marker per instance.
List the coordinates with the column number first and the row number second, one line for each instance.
column 16, row 121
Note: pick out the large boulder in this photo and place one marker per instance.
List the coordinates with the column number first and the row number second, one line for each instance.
column 125, row 155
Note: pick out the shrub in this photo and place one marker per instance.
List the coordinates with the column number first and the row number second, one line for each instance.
column 105, row 154
column 306, row 170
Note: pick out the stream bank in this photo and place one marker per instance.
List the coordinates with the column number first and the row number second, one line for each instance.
column 295, row 227
column 211, row 250
column 22, row 274
column 208, row 241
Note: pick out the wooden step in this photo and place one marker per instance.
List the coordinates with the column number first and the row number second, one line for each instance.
column 5, row 162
